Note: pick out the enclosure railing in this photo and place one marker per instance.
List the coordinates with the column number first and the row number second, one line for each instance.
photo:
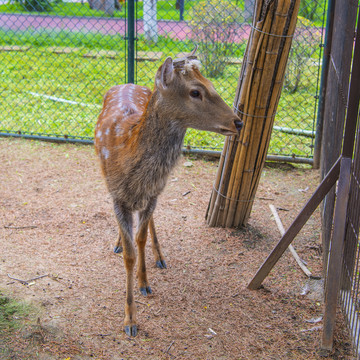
column 350, row 282
column 341, row 209
column 350, row 290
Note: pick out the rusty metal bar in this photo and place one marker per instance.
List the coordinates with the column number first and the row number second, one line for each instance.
column 323, row 82
column 296, row 226
column 353, row 101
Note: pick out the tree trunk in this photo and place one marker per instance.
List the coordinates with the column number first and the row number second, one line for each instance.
column 108, row 6
column 150, row 21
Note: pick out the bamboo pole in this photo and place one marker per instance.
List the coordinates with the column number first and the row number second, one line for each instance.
column 227, row 159
column 240, row 171
column 256, row 157
column 222, row 201
column 256, row 100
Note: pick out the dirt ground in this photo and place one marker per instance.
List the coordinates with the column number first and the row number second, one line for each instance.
column 56, row 219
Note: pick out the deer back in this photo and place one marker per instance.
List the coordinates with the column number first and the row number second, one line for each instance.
column 119, row 121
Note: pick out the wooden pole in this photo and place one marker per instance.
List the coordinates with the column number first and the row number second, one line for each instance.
column 256, row 100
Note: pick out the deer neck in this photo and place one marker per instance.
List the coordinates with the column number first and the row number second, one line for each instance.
column 163, row 134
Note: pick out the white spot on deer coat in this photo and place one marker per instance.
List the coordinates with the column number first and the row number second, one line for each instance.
column 105, row 153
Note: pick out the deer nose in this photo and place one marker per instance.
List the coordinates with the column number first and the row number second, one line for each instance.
column 238, row 124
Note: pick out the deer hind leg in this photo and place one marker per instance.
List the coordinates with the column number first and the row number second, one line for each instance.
column 141, row 237
column 124, row 218
column 159, row 258
column 118, row 247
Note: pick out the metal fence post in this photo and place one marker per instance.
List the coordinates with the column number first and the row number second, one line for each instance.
column 131, row 41
column 323, row 82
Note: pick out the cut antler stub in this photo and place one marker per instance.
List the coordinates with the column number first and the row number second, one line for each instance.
column 179, row 63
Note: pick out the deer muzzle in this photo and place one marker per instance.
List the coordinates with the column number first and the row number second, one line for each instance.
column 238, row 124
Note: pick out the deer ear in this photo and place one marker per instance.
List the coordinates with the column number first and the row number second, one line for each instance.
column 166, row 74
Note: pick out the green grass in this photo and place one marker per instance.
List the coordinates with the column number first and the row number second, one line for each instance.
column 48, row 38
column 11, row 313
column 85, row 80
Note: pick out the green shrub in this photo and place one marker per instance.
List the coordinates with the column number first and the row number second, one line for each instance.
column 214, row 25
column 304, row 45
column 311, row 9
column 36, row 5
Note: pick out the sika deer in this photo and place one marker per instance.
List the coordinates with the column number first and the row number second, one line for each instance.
column 138, row 138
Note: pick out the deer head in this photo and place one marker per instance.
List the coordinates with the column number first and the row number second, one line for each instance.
column 192, row 99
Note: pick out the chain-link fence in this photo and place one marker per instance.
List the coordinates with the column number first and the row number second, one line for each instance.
column 58, row 58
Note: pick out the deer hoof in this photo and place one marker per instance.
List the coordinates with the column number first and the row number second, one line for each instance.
column 161, row 264
column 131, row 330
column 145, row 290
column 118, row 249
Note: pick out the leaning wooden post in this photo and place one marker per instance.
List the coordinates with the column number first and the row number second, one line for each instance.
column 255, row 102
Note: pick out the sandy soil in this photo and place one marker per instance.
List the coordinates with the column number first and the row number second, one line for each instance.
column 56, row 219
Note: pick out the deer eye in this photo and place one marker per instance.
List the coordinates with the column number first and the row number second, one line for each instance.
column 195, row 94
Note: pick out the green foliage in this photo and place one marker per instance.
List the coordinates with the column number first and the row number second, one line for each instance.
column 311, row 9
column 214, row 26
column 36, row 5
column 304, row 47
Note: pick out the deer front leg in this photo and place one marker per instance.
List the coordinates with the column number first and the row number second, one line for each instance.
column 124, row 218
column 130, row 326
column 141, row 236
column 159, row 258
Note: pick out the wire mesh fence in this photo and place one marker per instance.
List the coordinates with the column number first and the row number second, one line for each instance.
column 58, row 58
column 350, row 291
column 341, row 142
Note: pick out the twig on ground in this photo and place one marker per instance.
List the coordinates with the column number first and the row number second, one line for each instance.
column 20, row 227
column 26, row 282
column 283, row 209
column 140, row 302
column 314, row 328
column 306, row 271
column 22, row 281
column 168, row 349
